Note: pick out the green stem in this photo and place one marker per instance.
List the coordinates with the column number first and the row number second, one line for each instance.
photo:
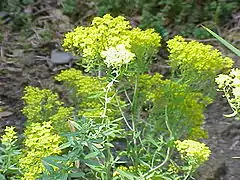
column 160, row 165
column 135, row 116
column 189, row 173
column 106, row 99
column 108, row 164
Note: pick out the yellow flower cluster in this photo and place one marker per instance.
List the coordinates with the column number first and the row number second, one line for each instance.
column 144, row 43
column 108, row 32
column 196, row 56
column 196, row 63
column 87, row 93
column 9, row 137
column 40, row 142
column 230, row 85
column 195, row 153
column 44, row 105
column 39, row 104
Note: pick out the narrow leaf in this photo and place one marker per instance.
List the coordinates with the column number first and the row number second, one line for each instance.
column 126, row 174
column 224, row 42
column 91, row 155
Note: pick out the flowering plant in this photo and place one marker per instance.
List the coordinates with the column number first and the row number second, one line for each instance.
column 197, row 64
column 146, row 114
column 111, row 35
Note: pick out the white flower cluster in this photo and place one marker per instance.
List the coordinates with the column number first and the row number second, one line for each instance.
column 117, row 56
column 230, row 85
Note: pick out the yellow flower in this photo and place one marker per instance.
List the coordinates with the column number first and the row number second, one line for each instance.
column 105, row 34
column 40, row 142
column 195, row 153
column 9, row 136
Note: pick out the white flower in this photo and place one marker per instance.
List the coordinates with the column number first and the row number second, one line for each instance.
column 223, row 80
column 235, row 72
column 236, row 92
column 117, row 56
column 236, row 82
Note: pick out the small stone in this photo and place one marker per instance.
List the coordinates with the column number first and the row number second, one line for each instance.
column 58, row 57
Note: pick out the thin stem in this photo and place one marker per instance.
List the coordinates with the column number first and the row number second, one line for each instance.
column 99, row 71
column 107, row 100
column 166, row 122
column 128, row 125
column 189, row 173
column 160, row 165
column 134, row 116
column 127, row 97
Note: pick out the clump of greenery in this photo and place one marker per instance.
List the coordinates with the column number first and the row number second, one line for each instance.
column 196, row 64
column 169, row 16
column 186, row 107
column 15, row 8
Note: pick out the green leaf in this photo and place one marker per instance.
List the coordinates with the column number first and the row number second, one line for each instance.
column 126, row 174
column 65, row 145
column 47, row 166
column 94, row 165
column 91, row 155
column 2, row 177
column 50, row 161
column 109, row 145
column 224, row 42
column 77, row 175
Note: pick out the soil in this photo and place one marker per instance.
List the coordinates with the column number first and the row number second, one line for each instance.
column 224, row 133
column 224, row 142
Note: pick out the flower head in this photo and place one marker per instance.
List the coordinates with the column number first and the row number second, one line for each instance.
column 195, row 153
column 117, row 56
column 10, row 136
column 107, row 32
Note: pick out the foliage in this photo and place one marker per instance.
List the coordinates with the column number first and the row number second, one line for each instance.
column 87, row 95
column 69, row 6
column 86, row 147
column 170, row 16
column 40, row 141
column 196, row 64
column 8, row 154
column 15, row 8
column 122, row 104
column 109, row 32
column 44, row 105
column 185, row 107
